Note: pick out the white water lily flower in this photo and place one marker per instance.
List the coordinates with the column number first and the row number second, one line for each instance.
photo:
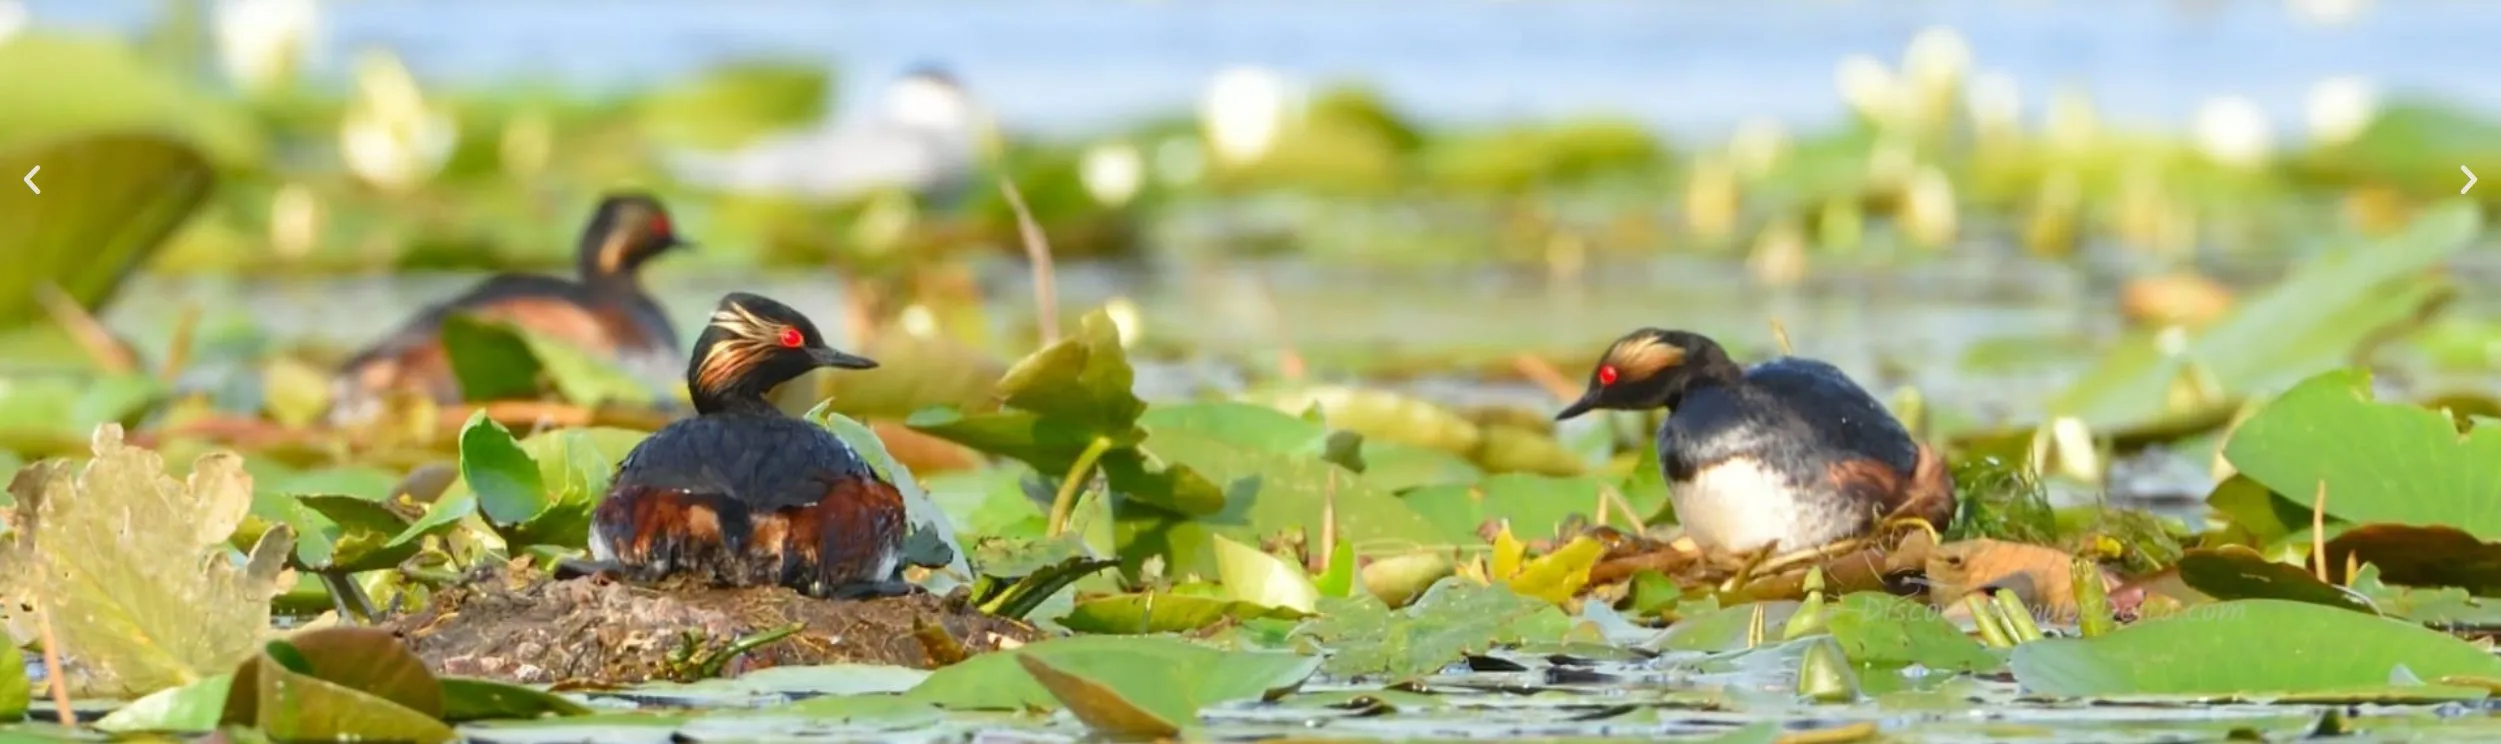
column 388, row 137
column 262, row 43
column 294, row 221
column 1869, row 87
column 1127, row 320
column 1995, row 101
column 2232, row 130
column 2074, row 123
column 1244, row 111
column 2327, row 13
column 13, row 18
column 917, row 321
column 1936, row 61
column 1112, row 172
column 2339, row 108
column 1758, row 145
column 1928, row 211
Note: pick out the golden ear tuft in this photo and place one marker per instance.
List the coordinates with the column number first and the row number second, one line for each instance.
column 1644, row 356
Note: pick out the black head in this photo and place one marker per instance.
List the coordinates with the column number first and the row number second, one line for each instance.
column 1650, row 368
column 628, row 229
column 752, row 345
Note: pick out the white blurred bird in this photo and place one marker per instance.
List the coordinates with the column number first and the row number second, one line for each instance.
column 924, row 136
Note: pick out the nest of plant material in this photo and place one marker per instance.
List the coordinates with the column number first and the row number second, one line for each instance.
column 1881, row 562
column 518, row 624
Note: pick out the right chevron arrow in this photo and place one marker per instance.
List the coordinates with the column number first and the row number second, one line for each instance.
column 2470, row 180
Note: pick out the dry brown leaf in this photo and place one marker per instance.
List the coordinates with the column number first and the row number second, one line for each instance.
column 2039, row 575
column 135, row 568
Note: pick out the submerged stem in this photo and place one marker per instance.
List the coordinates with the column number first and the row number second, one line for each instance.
column 1065, row 503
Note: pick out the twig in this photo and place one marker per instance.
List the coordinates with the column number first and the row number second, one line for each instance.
column 1780, row 335
column 89, row 333
column 1543, row 373
column 1037, row 250
column 53, row 674
column 2318, row 532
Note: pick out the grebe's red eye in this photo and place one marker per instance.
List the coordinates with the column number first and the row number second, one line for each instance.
column 659, row 224
column 1606, row 375
column 791, row 338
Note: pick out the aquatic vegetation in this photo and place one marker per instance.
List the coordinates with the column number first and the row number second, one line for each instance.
column 1334, row 540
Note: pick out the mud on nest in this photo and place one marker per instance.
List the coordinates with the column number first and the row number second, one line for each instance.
column 520, row 625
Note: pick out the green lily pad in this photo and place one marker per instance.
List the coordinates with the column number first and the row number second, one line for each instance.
column 1162, row 612
column 466, row 699
column 1882, row 630
column 2235, row 572
column 1138, row 711
column 1250, row 575
column 2312, row 320
column 1725, row 629
column 498, row 360
column 1536, row 506
column 504, row 478
column 1066, row 400
column 728, row 106
column 932, row 542
column 1454, row 618
column 51, row 415
column 16, row 693
column 2444, row 607
column 1205, row 676
column 64, row 86
column 109, row 202
column 2382, row 462
column 346, row 683
column 1266, row 494
column 190, row 708
column 2258, row 650
column 333, row 532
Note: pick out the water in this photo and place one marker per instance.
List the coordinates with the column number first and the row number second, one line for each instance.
column 1689, row 67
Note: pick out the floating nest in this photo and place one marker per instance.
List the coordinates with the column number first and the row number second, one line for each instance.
column 518, row 624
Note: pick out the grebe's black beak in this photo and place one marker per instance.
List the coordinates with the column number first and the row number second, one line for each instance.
column 1577, row 408
column 831, row 358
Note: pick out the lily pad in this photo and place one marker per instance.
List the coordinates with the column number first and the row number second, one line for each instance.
column 292, row 705
column 498, row 360
column 1266, row 494
column 2381, row 462
column 932, row 542
column 136, row 564
column 504, row 478
column 2235, row 572
column 1200, row 675
column 1140, row 711
column 1071, row 399
column 110, row 201
column 2419, row 556
column 1454, row 618
column 15, row 692
column 1882, row 630
column 2313, row 319
column 1534, row 505
column 1161, row 612
column 466, row 699
column 1256, row 577
column 190, row 708
column 2260, row 649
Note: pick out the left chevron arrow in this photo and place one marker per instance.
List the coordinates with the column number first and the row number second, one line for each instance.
column 30, row 180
